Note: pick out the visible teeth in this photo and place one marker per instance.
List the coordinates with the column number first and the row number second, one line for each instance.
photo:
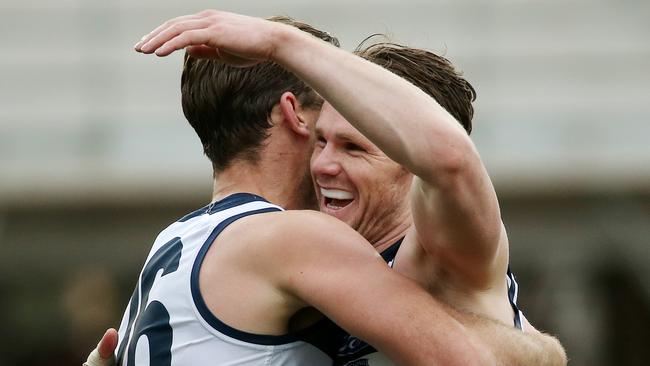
column 336, row 194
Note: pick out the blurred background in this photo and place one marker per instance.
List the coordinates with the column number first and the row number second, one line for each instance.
column 96, row 157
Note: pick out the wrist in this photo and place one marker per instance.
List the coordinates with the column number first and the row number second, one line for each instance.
column 284, row 39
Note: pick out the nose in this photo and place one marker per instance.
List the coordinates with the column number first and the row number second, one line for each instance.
column 325, row 162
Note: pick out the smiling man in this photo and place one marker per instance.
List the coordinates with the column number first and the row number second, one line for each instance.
column 431, row 209
column 241, row 278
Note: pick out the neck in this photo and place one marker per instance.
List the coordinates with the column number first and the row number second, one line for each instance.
column 383, row 224
column 270, row 179
column 392, row 235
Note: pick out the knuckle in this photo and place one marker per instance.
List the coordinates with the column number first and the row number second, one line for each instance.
column 208, row 12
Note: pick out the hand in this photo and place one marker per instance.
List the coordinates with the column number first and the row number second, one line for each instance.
column 104, row 355
column 236, row 39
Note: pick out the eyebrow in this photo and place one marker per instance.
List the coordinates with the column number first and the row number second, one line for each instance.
column 341, row 136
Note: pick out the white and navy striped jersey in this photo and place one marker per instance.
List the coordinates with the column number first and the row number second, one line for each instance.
column 167, row 321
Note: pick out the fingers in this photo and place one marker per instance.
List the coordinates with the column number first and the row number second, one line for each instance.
column 185, row 39
column 169, row 33
column 147, row 37
column 245, row 40
column 108, row 343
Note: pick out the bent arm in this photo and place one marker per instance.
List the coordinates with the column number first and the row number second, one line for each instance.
column 342, row 276
column 455, row 209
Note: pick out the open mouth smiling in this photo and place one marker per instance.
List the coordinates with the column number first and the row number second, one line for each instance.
column 335, row 199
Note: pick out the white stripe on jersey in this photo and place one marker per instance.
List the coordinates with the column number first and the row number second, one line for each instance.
column 171, row 328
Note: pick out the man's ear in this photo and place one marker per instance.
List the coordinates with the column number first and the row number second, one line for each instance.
column 290, row 108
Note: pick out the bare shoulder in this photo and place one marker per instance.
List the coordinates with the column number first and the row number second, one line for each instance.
column 293, row 249
column 297, row 233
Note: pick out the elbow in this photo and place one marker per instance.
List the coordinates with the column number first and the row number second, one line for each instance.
column 558, row 356
column 449, row 163
column 454, row 160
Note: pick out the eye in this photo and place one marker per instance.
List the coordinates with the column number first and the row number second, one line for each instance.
column 320, row 141
column 350, row 146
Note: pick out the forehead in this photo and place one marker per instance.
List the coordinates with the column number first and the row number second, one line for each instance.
column 332, row 125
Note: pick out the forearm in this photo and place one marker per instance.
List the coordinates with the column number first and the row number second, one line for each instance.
column 434, row 338
column 343, row 265
column 402, row 120
column 510, row 346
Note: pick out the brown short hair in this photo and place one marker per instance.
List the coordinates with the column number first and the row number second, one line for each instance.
column 229, row 107
column 434, row 74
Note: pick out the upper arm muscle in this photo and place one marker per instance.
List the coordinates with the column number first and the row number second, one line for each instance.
column 458, row 222
column 341, row 275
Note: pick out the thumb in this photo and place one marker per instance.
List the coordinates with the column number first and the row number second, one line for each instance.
column 108, row 343
column 103, row 354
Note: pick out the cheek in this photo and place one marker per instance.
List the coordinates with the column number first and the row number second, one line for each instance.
column 355, row 170
column 367, row 182
column 388, row 185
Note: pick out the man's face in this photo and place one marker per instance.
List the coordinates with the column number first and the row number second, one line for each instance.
column 354, row 181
